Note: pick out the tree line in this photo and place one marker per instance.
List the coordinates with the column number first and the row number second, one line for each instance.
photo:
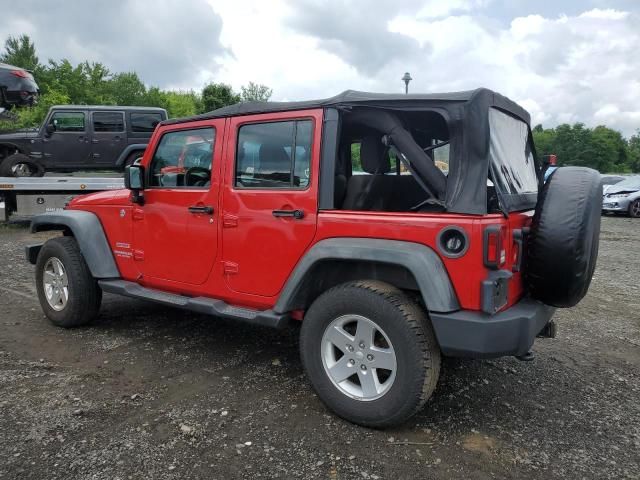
column 91, row 83
column 601, row 147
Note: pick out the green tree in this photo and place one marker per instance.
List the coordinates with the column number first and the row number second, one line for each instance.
column 633, row 148
column 255, row 92
column 126, row 89
column 21, row 52
column 217, row 95
column 609, row 150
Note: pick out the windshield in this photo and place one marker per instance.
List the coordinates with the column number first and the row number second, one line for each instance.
column 511, row 159
column 633, row 182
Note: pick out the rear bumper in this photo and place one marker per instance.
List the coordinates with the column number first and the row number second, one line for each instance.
column 479, row 335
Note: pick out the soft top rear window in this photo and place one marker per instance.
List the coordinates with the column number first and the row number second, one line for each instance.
column 512, row 164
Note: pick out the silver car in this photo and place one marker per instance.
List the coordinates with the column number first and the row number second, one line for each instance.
column 623, row 197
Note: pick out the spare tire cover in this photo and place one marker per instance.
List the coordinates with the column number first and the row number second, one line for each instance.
column 562, row 247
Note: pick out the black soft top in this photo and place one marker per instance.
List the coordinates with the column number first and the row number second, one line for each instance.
column 464, row 189
column 480, row 97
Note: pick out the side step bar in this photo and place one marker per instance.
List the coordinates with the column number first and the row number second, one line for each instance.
column 209, row 306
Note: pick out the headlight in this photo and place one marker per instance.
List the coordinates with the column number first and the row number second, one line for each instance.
column 618, row 195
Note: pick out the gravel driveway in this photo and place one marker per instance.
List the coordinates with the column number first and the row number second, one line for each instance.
column 151, row 392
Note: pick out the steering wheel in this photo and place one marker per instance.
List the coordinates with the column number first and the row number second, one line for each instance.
column 196, row 174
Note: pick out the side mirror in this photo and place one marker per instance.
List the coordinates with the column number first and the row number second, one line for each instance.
column 50, row 128
column 134, row 181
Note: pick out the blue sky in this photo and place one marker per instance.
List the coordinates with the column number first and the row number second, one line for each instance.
column 565, row 61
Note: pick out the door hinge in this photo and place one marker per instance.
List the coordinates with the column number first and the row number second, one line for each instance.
column 229, row 221
column 138, row 255
column 230, row 268
column 138, row 214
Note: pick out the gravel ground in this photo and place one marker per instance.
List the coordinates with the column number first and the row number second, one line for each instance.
column 151, row 392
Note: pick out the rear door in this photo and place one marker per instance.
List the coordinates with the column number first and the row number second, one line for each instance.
column 69, row 145
column 269, row 199
column 108, row 137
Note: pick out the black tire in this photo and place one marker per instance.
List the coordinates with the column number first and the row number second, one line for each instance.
column 634, row 209
column 410, row 333
column 84, row 294
column 132, row 158
column 8, row 164
column 562, row 248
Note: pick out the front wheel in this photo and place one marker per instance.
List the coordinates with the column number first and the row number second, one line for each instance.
column 68, row 293
column 20, row 165
column 634, row 209
column 370, row 353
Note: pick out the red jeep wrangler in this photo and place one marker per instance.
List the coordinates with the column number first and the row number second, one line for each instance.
column 396, row 228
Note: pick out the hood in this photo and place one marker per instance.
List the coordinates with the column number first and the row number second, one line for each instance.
column 624, row 189
column 106, row 197
column 19, row 134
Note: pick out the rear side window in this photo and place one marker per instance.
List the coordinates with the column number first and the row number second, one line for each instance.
column 512, row 165
column 274, row 155
column 108, row 121
column 183, row 159
column 145, row 122
column 68, row 121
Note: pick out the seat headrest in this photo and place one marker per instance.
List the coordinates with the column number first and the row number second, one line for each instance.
column 373, row 155
column 272, row 157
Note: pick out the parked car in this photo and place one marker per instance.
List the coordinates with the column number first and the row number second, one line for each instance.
column 623, row 197
column 609, row 180
column 252, row 213
column 17, row 87
column 79, row 137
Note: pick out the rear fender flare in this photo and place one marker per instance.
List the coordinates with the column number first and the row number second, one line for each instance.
column 421, row 261
column 89, row 234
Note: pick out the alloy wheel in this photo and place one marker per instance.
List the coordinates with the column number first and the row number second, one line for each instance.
column 56, row 284
column 358, row 357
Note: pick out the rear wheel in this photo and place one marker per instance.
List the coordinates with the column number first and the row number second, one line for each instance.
column 132, row 157
column 370, row 353
column 634, row 209
column 20, row 165
column 68, row 294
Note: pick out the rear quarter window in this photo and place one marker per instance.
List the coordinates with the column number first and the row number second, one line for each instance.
column 145, row 122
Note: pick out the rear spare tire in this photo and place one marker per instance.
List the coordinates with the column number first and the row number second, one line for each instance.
column 565, row 232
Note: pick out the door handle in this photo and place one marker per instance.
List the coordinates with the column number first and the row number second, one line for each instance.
column 94, row 141
column 201, row 209
column 297, row 214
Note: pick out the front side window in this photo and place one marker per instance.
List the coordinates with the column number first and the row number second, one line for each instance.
column 274, row 155
column 108, row 122
column 145, row 122
column 183, row 159
column 511, row 159
column 68, row 121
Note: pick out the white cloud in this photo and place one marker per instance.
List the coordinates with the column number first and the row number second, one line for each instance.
column 580, row 66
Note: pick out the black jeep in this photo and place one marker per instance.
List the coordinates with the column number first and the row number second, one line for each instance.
column 79, row 137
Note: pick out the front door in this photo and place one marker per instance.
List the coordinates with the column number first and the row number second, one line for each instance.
column 68, row 145
column 270, row 198
column 108, row 137
column 175, row 231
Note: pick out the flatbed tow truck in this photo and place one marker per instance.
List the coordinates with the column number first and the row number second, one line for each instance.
column 23, row 197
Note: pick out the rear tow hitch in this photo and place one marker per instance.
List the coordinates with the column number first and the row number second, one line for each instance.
column 549, row 330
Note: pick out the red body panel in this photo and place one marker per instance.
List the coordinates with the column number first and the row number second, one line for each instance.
column 242, row 254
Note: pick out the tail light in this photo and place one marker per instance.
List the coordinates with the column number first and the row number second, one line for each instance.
column 494, row 252
column 20, row 73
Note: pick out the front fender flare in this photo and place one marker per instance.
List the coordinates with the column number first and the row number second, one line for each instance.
column 423, row 263
column 89, row 234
